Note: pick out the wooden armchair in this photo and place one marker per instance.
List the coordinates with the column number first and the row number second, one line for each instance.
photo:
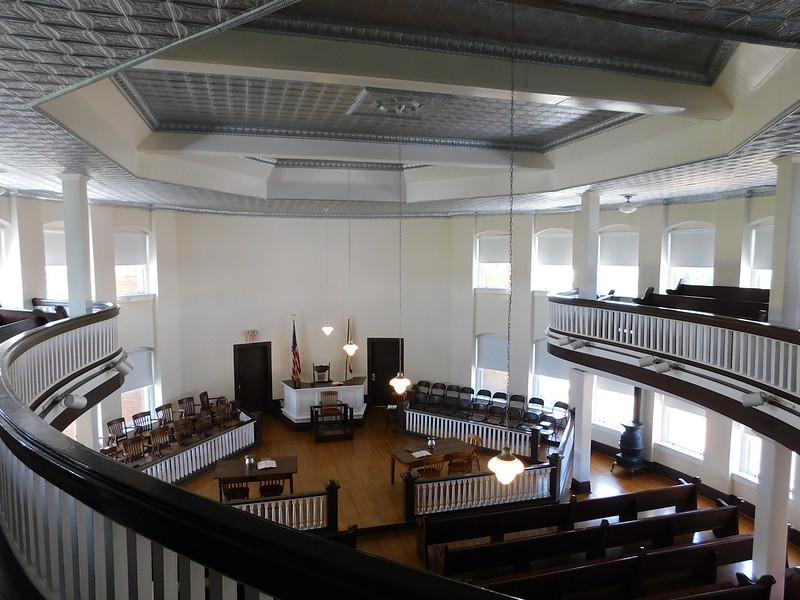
column 117, row 430
column 460, row 462
column 143, row 422
column 164, row 414
column 182, row 430
column 134, row 448
column 432, row 466
column 235, row 488
column 222, row 414
column 160, row 438
column 329, row 406
column 271, row 485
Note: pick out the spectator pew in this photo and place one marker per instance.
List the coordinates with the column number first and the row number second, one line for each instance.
column 495, row 525
column 672, row 571
column 742, row 309
column 588, row 543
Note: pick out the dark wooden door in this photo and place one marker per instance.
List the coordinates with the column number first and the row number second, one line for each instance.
column 252, row 375
column 383, row 360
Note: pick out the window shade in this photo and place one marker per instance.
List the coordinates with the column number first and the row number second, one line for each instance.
column 762, row 247
column 619, row 248
column 492, row 352
column 546, row 364
column 493, row 249
column 691, row 248
column 130, row 248
column 55, row 248
column 554, row 249
column 142, row 374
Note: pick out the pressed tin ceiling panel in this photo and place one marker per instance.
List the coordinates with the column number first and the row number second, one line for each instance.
column 187, row 102
column 47, row 46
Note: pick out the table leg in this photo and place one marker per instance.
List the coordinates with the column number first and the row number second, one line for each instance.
column 291, row 483
column 220, row 489
column 391, row 458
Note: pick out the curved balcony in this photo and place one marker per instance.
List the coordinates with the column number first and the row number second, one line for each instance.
column 746, row 370
column 85, row 526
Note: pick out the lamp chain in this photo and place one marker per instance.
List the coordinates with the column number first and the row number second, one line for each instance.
column 400, row 232
column 510, row 222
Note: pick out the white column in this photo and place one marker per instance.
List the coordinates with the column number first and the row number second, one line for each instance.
column 652, row 248
column 76, row 233
column 732, row 220
column 585, row 245
column 772, row 509
column 785, row 289
column 581, row 392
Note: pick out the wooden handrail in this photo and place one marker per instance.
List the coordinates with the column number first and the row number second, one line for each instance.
column 228, row 543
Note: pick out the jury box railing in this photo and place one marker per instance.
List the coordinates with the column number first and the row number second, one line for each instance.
column 550, row 478
column 84, row 526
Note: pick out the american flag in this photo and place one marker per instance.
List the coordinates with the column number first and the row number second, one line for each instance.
column 295, row 356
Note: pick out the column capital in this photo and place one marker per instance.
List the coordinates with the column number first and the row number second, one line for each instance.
column 74, row 177
column 784, row 158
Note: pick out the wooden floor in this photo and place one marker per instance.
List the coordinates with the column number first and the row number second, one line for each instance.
column 368, row 499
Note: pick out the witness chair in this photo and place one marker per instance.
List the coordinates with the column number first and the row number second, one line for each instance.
column 235, row 488
column 271, row 485
column 329, row 406
column 432, row 466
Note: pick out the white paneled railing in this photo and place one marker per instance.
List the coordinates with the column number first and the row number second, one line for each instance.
column 44, row 360
column 494, row 437
column 308, row 511
column 83, row 526
column 751, row 351
column 199, row 456
column 459, row 493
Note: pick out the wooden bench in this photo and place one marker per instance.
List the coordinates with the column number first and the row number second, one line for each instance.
column 495, row 525
column 722, row 292
column 675, row 568
column 742, row 309
column 588, row 543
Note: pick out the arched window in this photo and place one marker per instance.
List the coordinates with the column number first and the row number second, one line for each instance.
column 493, row 264
column 553, row 265
column 691, row 255
column 131, row 263
column 618, row 262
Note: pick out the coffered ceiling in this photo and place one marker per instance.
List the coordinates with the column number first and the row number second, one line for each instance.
column 325, row 107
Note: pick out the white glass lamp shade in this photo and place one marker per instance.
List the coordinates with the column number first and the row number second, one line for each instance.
column 627, row 207
column 400, row 383
column 506, row 466
column 327, row 329
column 350, row 348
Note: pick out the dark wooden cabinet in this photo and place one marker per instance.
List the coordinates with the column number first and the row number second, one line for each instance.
column 252, row 376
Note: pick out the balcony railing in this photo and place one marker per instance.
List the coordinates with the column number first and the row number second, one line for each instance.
column 83, row 526
column 713, row 360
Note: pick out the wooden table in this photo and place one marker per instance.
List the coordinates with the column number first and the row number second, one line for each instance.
column 444, row 446
column 234, row 468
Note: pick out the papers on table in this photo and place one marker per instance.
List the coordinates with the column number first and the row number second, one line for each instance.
column 267, row 463
column 420, row 453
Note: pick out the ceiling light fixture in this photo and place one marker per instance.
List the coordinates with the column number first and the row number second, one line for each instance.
column 505, row 465
column 400, row 382
column 628, row 207
column 350, row 347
